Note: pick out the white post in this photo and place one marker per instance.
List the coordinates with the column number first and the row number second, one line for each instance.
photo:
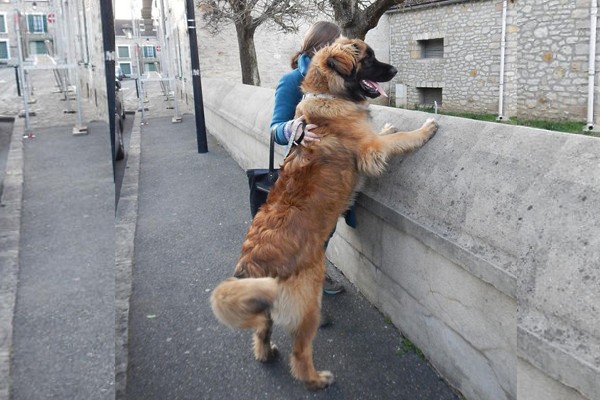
column 592, row 64
column 502, row 53
column 164, row 29
column 24, row 83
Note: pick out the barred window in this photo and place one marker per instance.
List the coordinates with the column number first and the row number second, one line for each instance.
column 433, row 48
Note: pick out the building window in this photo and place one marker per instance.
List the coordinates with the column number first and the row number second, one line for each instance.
column 150, row 67
column 37, row 23
column 125, row 68
column 427, row 96
column 149, row 52
column 123, row 51
column 433, row 48
column 38, row 47
column 3, row 23
column 4, row 50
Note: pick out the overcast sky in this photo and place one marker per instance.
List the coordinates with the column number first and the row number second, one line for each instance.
column 122, row 8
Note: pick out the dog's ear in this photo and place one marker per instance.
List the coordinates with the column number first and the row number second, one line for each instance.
column 342, row 59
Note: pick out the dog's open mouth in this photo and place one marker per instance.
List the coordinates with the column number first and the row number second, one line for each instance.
column 372, row 88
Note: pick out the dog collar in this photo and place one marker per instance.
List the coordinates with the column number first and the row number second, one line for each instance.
column 319, row 95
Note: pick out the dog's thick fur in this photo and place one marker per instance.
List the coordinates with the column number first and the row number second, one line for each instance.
column 280, row 273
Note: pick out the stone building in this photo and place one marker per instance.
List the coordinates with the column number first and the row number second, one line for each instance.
column 456, row 52
column 64, row 36
column 38, row 29
column 136, row 48
column 448, row 51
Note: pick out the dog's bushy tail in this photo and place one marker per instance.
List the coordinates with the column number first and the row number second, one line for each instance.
column 242, row 303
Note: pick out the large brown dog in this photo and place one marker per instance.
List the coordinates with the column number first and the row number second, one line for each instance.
column 279, row 276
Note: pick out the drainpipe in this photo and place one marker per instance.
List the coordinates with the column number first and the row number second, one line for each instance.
column 592, row 65
column 502, row 52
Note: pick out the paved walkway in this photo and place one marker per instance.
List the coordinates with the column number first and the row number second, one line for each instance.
column 56, row 252
column 64, row 315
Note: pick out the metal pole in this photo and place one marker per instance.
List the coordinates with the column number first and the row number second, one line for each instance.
column 22, row 74
column 79, row 128
column 108, row 41
column 18, row 80
column 165, row 36
column 196, row 81
column 142, row 106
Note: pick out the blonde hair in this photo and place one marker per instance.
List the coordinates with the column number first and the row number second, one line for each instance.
column 319, row 35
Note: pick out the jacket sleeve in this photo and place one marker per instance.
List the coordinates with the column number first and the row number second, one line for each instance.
column 287, row 97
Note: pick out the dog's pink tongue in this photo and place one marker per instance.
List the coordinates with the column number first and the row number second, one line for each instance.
column 379, row 88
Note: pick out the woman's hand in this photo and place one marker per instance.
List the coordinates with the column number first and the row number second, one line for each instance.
column 303, row 132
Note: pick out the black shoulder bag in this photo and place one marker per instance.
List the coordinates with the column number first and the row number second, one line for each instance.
column 262, row 180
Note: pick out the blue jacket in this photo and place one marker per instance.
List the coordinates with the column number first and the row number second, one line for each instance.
column 287, row 97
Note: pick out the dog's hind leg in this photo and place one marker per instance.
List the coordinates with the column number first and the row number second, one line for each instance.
column 302, row 357
column 264, row 350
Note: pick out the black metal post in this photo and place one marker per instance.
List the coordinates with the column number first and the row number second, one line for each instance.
column 108, row 40
column 17, row 79
column 196, row 82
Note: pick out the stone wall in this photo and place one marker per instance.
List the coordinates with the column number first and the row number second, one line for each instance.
column 482, row 247
column 552, row 59
column 546, row 65
column 469, row 70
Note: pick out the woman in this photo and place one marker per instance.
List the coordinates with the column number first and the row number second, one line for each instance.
column 287, row 97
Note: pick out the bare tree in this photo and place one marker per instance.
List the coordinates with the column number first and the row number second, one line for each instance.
column 247, row 15
column 357, row 17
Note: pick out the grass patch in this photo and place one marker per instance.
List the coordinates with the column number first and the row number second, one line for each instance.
column 406, row 346
column 564, row 126
column 387, row 319
column 558, row 126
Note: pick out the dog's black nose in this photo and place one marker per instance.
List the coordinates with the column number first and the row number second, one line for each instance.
column 393, row 71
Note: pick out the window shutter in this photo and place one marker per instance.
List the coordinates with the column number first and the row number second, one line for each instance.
column 432, row 48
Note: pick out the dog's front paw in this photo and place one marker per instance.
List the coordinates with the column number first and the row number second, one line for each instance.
column 430, row 127
column 325, row 379
column 387, row 129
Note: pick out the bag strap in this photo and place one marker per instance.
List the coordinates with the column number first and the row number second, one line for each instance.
column 272, row 150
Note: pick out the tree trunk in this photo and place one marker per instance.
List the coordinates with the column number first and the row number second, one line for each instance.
column 355, row 23
column 248, row 61
column 354, row 32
